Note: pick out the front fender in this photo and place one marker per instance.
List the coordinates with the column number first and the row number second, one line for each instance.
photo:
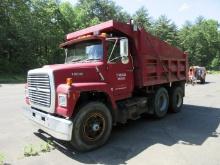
column 97, row 86
column 72, row 97
column 73, row 93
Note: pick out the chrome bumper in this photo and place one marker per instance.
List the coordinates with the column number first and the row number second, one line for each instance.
column 57, row 127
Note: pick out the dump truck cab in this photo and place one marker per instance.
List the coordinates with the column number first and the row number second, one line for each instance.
column 114, row 55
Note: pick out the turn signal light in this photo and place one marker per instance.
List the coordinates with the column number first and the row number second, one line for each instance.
column 103, row 34
column 69, row 81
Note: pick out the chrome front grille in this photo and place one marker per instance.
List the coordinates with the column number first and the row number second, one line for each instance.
column 39, row 89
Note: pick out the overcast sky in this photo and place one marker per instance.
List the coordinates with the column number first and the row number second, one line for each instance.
column 177, row 10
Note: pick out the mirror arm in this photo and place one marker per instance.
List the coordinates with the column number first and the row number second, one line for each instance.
column 66, row 50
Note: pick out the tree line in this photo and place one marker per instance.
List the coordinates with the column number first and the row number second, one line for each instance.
column 31, row 30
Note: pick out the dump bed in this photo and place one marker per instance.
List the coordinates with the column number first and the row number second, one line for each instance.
column 155, row 61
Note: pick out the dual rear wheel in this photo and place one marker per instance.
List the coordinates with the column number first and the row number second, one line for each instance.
column 164, row 101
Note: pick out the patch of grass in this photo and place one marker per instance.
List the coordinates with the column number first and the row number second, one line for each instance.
column 213, row 72
column 2, row 159
column 12, row 78
column 31, row 150
column 47, row 147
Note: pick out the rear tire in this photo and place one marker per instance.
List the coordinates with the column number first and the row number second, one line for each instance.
column 176, row 99
column 203, row 81
column 161, row 103
column 91, row 126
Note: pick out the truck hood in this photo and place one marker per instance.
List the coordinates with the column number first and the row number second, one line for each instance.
column 57, row 67
column 57, row 74
column 79, row 72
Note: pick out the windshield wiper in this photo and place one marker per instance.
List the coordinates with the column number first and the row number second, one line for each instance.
column 75, row 60
column 87, row 60
column 78, row 59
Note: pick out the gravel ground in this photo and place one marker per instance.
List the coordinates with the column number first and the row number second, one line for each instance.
column 189, row 137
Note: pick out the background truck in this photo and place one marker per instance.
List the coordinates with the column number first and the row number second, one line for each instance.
column 197, row 73
column 113, row 72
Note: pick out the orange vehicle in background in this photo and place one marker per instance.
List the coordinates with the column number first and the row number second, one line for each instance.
column 197, row 73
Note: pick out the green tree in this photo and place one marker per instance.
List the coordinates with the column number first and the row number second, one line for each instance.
column 201, row 41
column 166, row 30
column 49, row 27
column 142, row 19
column 69, row 17
column 14, row 29
column 90, row 12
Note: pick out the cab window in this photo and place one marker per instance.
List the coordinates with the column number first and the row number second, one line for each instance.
column 114, row 51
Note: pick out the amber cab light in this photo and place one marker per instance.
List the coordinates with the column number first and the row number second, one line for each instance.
column 103, row 34
column 69, row 81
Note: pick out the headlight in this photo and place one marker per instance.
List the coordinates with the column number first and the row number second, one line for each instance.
column 62, row 100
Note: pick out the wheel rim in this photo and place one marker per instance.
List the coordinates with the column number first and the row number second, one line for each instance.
column 94, row 126
column 162, row 102
column 178, row 100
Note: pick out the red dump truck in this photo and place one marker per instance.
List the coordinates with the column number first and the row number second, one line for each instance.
column 113, row 72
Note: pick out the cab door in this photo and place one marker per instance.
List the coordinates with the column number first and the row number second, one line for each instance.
column 120, row 76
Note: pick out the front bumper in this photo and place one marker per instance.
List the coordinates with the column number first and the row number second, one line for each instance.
column 57, row 127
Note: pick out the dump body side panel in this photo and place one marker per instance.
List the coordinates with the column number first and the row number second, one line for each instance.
column 159, row 62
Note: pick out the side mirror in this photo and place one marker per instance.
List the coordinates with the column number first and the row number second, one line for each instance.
column 124, row 47
column 124, row 51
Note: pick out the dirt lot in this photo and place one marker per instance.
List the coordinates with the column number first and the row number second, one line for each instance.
column 189, row 137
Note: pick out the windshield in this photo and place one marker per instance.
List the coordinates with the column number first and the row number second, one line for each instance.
column 85, row 51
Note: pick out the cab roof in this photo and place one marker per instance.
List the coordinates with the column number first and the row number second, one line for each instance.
column 102, row 27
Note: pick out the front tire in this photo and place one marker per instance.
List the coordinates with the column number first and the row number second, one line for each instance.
column 91, row 126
